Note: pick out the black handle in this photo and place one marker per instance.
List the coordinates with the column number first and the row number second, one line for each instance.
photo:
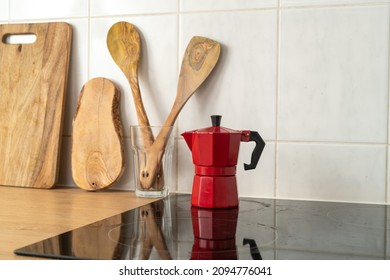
column 255, row 253
column 260, row 144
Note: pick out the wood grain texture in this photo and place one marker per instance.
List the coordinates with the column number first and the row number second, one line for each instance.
column 124, row 44
column 200, row 58
column 97, row 143
column 33, row 79
column 24, row 221
column 151, row 235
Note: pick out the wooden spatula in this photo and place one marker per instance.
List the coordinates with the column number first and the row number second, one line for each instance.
column 97, row 147
column 201, row 56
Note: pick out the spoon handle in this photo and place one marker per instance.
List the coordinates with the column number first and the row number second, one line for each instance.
column 199, row 60
column 124, row 44
column 143, row 121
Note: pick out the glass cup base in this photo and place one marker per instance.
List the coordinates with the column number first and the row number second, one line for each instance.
column 147, row 193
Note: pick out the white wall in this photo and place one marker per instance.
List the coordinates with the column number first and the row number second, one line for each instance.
column 311, row 76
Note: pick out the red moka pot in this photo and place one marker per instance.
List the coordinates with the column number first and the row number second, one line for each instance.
column 214, row 234
column 215, row 154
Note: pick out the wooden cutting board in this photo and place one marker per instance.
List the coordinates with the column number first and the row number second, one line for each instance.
column 33, row 79
column 97, row 139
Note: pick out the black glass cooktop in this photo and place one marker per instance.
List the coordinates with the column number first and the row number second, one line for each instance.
column 258, row 229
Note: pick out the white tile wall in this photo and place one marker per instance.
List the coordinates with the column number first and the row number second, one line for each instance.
column 342, row 89
column 311, row 76
column 4, row 11
column 332, row 172
column 305, row 3
column 214, row 5
column 125, row 7
column 248, row 55
column 78, row 69
column 47, row 9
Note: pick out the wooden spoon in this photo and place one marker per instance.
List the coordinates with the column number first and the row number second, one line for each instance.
column 201, row 56
column 151, row 222
column 123, row 42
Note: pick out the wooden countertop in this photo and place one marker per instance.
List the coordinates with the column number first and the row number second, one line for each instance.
column 29, row 215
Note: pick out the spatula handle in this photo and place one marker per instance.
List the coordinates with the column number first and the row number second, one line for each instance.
column 199, row 60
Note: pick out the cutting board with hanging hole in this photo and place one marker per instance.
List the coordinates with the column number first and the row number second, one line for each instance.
column 33, row 79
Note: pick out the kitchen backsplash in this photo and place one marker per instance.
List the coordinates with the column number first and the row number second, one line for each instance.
column 311, row 76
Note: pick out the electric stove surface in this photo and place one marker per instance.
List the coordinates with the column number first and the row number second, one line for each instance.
column 257, row 229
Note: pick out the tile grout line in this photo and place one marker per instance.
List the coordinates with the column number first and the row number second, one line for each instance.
column 329, row 143
column 306, row 142
column 387, row 223
column 387, row 191
column 329, row 5
column 278, row 35
column 89, row 40
column 276, row 182
column 276, row 7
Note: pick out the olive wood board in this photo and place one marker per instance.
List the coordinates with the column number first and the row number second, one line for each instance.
column 33, row 80
column 97, row 139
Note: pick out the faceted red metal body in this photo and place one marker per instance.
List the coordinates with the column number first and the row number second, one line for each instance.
column 215, row 153
column 214, row 234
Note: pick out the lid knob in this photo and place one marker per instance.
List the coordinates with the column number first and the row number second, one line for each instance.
column 216, row 120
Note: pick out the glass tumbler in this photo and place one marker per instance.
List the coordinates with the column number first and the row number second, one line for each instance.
column 139, row 151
